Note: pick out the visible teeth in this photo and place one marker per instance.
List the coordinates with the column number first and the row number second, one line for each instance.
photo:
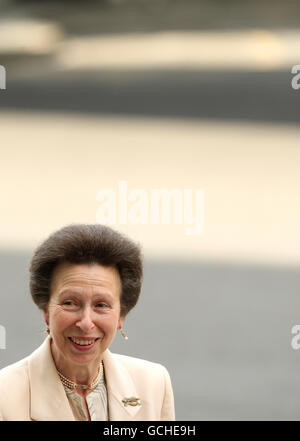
column 82, row 342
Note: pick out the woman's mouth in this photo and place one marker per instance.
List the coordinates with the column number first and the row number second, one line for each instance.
column 83, row 344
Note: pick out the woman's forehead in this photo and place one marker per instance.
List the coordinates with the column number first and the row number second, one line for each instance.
column 79, row 276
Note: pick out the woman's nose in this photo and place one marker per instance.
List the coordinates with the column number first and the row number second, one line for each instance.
column 86, row 321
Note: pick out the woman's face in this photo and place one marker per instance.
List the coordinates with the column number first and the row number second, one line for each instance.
column 84, row 308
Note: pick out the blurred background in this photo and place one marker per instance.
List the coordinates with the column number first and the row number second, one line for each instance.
column 164, row 94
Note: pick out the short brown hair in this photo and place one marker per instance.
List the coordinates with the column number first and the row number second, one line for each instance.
column 87, row 243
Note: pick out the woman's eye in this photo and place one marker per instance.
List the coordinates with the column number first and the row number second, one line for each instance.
column 71, row 304
column 68, row 303
column 101, row 305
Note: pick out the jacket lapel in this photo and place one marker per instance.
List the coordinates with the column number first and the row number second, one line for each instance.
column 120, row 386
column 48, row 398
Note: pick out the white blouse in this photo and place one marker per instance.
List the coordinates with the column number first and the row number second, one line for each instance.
column 96, row 402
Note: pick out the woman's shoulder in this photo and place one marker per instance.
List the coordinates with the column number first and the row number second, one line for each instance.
column 14, row 387
column 14, row 371
column 150, row 381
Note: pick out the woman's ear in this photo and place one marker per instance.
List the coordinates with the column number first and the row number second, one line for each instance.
column 120, row 322
column 46, row 316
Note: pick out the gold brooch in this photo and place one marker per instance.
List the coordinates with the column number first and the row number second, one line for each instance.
column 132, row 401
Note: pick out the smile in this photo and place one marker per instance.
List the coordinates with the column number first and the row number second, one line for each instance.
column 83, row 344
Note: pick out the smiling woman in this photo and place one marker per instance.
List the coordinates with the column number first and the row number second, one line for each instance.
column 85, row 279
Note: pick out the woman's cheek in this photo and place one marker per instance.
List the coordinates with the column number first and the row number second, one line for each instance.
column 63, row 319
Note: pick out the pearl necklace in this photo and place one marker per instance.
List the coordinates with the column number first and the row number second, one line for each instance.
column 72, row 385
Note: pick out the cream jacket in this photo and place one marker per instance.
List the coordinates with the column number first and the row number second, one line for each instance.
column 30, row 389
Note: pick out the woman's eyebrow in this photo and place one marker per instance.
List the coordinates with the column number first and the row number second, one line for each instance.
column 69, row 292
column 105, row 295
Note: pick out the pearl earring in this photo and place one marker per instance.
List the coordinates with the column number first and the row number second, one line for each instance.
column 123, row 334
column 48, row 331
